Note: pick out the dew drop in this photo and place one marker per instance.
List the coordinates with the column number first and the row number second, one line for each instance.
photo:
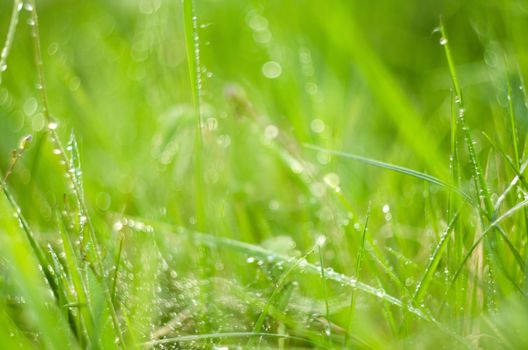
column 321, row 240
column 332, row 180
column 271, row 69
column 118, row 226
column 443, row 41
column 274, row 205
column 271, row 132
column 317, row 126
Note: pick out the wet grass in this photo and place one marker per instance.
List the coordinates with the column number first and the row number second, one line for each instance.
column 232, row 175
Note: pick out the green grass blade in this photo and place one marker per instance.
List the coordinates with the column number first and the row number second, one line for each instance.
column 25, row 263
column 434, row 259
column 192, row 45
column 79, row 284
column 357, row 274
column 197, row 337
column 486, row 232
column 388, row 166
column 10, row 37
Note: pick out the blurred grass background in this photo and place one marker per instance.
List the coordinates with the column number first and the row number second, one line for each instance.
column 369, row 78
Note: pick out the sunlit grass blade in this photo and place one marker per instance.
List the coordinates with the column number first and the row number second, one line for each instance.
column 511, row 186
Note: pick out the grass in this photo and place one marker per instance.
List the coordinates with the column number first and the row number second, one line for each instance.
column 238, row 175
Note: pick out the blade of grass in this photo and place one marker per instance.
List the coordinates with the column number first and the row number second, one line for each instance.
column 434, row 259
column 357, row 274
column 75, row 160
column 328, row 330
column 492, row 226
column 10, row 37
column 24, row 261
column 479, row 181
column 192, row 45
column 79, row 284
column 392, row 167
column 278, row 287
column 196, row 337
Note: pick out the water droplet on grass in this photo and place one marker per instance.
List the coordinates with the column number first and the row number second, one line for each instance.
column 118, row 226
column 443, row 41
column 321, row 240
column 271, row 69
column 30, row 106
column 323, row 158
column 332, row 180
column 274, row 205
column 53, row 125
column 271, row 132
column 317, row 126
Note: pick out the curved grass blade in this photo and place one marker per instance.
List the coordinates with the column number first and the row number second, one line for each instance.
column 194, row 338
column 392, row 167
column 342, row 279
